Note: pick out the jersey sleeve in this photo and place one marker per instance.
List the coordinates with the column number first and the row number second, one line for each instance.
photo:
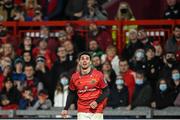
column 102, row 81
column 71, row 84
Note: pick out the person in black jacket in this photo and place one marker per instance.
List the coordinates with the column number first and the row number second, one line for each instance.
column 153, row 66
column 74, row 9
column 142, row 95
column 9, row 96
column 132, row 46
column 118, row 94
column 164, row 96
column 173, row 10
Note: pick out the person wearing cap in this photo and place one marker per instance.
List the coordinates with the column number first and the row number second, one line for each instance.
column 43, row 74
column 91, row 89
column 18, row 75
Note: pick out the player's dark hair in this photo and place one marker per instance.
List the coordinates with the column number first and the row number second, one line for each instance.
column 84, row 53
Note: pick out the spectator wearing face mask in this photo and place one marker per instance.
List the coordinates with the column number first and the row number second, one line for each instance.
column 118, row 94
column 164, row 95
column 175, row 75
column 61, row 91
column 142, row 95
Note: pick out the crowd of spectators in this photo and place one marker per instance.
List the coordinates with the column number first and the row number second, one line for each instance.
column 35, row 73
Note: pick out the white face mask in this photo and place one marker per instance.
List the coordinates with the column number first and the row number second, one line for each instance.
column 119, row 87
column 64, row 81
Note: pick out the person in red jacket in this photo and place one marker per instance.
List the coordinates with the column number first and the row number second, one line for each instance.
column 91, row 88
column 128, row 77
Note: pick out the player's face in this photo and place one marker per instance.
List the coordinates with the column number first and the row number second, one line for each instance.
column 84, row 61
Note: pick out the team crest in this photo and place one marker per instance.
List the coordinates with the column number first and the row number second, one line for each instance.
column 93, row 81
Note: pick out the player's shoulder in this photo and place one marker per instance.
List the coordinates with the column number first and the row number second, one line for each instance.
column 97, row 72
column 75, row 75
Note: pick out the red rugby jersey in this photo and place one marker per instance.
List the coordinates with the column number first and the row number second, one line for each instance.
column 89, row 88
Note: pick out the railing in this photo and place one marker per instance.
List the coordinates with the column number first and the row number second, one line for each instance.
column 121, row 112
column 156, row 27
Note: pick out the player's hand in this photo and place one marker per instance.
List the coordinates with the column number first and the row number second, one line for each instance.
column 93, row 104
column 128, row 107
column 64, row 113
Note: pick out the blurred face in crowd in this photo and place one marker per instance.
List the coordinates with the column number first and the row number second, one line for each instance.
column 93, row 45
column 27, row 41
column 158, row 49
column 119, row 82
column 106, row 66
column 163, row 85
column 142, row 34
column 170, row 58
column 150, row 54
column 176, row 76
column 139, row 55
column 171, row 2
column 90, row 3
column 5, row 61
column 27, row 56
column 43, row 44
column 61, row 52
column 8, row 84
column 111, row 51
column 93, row 27
column 177, row 33
column 133, row 36
column 44, row 31
column 84, row 62
column 123, row 66
column 62, row 36
column 29, row 71
column 7, row 49
column 96, row 61
column 69, row 29
column 68, row 46
column 19, row 67
column 139, row 78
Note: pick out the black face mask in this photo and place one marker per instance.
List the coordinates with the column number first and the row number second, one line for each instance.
column 171, row 61
column 124, row 11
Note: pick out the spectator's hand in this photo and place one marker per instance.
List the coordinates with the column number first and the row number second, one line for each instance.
column 79, row 14
column 153, row 104
column 93, row 104
column 128, row 107
column 64, row 113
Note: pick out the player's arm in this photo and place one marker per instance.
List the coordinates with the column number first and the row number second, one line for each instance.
column 105, row 94
column 70, row 99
